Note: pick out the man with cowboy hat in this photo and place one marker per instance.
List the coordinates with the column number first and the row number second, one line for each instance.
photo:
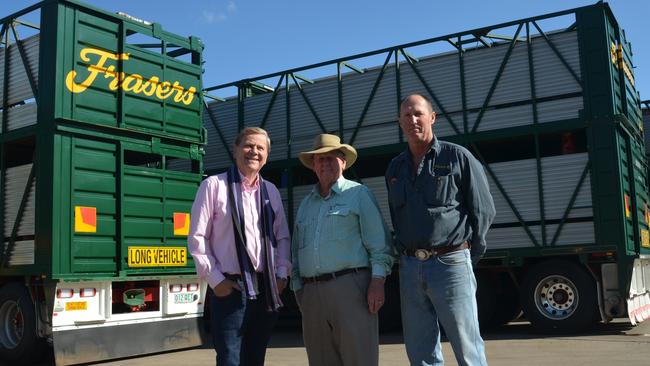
column 341, row 256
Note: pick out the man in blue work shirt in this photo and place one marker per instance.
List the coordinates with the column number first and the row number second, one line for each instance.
column 341, row 255
column 441, row 209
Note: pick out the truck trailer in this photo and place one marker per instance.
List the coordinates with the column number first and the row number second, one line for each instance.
column 100, row 158
column 549, row 106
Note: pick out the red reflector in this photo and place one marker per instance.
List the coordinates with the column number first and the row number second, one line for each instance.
column 87, row 292
column 64, row 293
column 192, row 287
column 175, row 287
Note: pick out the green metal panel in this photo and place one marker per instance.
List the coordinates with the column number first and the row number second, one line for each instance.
column 134, row 205
column 104, row 78
column 80, row 139
column 619, row 184
column 92, row 182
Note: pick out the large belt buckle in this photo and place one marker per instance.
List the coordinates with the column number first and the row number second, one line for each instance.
column 422, row 254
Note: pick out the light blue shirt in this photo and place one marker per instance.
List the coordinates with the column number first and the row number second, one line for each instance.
column 340, row 231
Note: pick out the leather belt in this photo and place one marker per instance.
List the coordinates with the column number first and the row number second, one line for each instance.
column 331, row 276
column 425, row 254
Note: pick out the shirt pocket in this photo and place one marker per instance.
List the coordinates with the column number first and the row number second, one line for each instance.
column 439, row 190
column 339, row 223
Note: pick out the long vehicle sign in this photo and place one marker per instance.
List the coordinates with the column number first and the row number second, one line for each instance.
column 157, row 256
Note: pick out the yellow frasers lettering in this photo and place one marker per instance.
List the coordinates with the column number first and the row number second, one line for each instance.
column 613, row 55
column 93, row 69
column 133, row 83
column 148, row 87
column 618, row 60
column 188, row 95
column 162, row 89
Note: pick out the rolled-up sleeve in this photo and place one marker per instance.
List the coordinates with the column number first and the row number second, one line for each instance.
column 374, row 234
column 480, row 205
column 200, row 232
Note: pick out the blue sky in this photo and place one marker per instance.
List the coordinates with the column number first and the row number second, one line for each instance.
column 246, row 38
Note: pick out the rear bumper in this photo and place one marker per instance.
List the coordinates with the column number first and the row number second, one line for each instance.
column 638, row 301
column 109, row 342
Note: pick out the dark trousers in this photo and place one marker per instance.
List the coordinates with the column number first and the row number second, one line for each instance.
column 241, row 329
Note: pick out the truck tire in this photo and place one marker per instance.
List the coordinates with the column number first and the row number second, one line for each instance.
column 560, row 297
column 19, row 341
column 508, row 306
column 497, row 299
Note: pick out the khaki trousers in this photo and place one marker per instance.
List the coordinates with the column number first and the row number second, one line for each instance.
column 337, row 328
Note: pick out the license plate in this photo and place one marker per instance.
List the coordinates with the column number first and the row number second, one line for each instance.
column 76, row 305
column 157, row 256
column 183, row 298
column 645, row 238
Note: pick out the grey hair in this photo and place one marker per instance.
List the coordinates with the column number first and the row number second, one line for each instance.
column 253, row 131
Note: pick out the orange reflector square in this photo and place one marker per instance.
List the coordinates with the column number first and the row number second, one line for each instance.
column 181, row 223
column 628, row 212
column 85, row 219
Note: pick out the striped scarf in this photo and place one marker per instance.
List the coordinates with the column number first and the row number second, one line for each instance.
column 269, row 243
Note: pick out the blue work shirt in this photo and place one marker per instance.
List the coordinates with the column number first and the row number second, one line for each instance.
column 343, row 230
column 445, row 201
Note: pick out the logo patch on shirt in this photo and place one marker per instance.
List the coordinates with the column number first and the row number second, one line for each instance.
column 440, row 169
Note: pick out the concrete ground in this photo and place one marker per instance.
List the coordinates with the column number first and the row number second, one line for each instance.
column 513, row 345
column 516, row 344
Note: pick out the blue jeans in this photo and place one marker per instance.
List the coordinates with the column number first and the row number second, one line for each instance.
column 241, row 328
column 440, row 291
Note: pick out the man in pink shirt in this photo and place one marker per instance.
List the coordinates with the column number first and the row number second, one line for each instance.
column 239, row 239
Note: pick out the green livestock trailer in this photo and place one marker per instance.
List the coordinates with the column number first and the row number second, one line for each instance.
column 101, row 144
column 548, row 104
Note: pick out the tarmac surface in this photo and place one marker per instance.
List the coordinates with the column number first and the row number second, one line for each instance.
column 517, row 343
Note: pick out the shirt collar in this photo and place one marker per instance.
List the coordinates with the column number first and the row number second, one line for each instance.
column 435, row 147
column 246, row 185
column 337, row 188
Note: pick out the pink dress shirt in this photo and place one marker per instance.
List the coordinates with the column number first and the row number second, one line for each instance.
column 212, row 240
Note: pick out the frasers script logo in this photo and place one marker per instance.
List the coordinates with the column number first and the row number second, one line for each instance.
column 133, row 83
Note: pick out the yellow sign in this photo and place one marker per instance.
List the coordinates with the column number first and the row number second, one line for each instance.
column 645, row 238
column 133, row 83
column 76, row 305
column 157, row 256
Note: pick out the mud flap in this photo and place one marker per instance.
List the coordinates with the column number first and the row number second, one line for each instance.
column 109, row 342
column 638, row 302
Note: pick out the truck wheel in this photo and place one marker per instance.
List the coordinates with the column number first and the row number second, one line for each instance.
column 559, row 296
column 19, row 342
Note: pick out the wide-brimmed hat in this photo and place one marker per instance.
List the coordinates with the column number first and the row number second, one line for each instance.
column 325, row 143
